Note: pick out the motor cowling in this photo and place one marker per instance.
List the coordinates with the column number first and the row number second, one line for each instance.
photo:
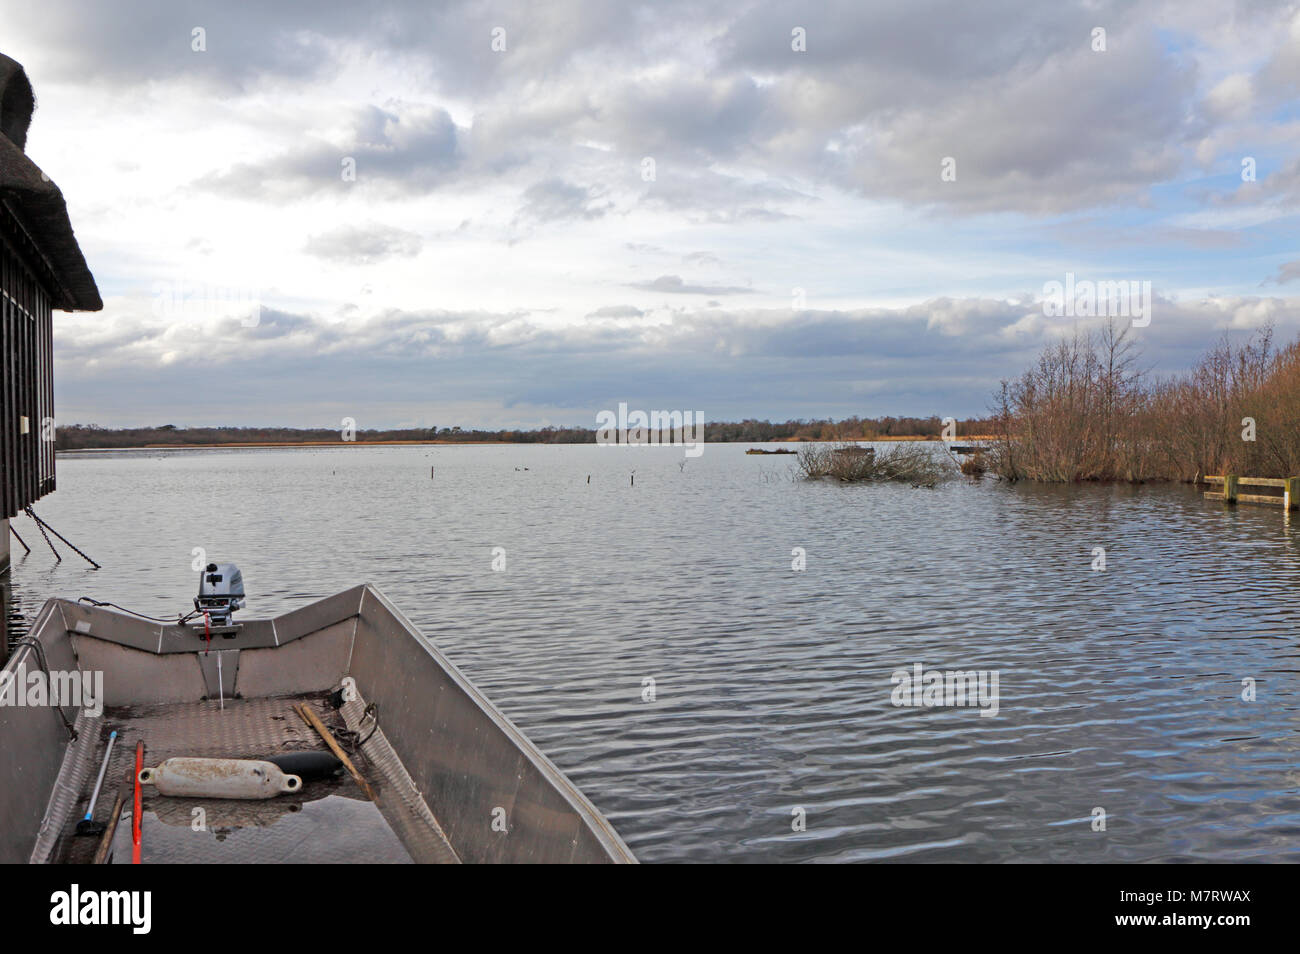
column 221, row 592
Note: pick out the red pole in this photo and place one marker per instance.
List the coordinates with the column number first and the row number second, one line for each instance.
column 135, row 815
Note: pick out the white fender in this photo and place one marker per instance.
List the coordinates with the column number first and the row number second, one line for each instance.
column 219, row 778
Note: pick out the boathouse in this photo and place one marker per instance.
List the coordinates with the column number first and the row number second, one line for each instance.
column 41, row 270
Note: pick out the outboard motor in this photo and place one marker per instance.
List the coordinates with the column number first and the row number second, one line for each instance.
column 221, row 592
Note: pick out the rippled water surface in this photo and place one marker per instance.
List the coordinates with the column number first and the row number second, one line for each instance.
column 1119, row 689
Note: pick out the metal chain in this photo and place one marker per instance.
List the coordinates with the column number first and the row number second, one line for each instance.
column 42, row 524
column 41, row 527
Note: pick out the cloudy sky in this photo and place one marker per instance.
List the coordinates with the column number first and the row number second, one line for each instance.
column 519, row 213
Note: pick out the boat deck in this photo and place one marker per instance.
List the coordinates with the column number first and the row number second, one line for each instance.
column 444, row 776
column 328, row 821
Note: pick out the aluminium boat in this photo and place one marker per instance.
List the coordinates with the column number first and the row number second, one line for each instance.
column 435, row 773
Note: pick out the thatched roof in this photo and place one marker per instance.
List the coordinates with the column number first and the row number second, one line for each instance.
column 36, row 202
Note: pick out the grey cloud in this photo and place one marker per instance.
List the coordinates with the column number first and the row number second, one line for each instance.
column 1288, row 272
column 271, row 323
column 945, row 354
column 701, row 258
column 685, row 113
column 1036, row 120
column 1280, row 188
column 673, row 284
column 407, row 149
column 364, row 245
column 708, row 195
column 975, row 41
column 140, row 41
column 1278, row 81
column 616, row 311
column 554, row 200
column 135, row 42
column 1080, row 130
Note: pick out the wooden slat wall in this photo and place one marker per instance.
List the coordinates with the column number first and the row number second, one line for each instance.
column 27, row 388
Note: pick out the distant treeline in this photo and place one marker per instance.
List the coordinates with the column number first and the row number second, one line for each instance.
column 83, row 436
column 849, row 429
column 1088, row 410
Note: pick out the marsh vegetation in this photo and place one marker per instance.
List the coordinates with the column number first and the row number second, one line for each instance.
column 1088, row 410
column 920, row 464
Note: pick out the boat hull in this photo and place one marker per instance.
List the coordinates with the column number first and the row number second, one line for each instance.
column 494, row 794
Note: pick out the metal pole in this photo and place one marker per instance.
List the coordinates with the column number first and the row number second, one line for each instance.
column 99, row 782
column 87, row 825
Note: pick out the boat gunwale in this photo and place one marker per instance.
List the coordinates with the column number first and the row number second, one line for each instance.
column 594, row 819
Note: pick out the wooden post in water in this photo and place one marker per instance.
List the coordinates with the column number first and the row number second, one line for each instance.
column 1230, row 488
column 1291, row 494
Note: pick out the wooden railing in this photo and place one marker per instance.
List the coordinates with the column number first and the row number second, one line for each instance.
column 1289, row 498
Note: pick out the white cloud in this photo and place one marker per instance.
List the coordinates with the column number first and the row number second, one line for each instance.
column 503, row 205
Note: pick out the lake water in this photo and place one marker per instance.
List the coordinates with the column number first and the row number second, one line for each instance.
column 1118, row 689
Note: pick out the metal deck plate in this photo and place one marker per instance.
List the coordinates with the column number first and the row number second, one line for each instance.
column 328, row 821
column 334, row 829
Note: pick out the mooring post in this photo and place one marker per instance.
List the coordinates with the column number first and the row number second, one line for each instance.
column 1230, row 488
column 1291, row 494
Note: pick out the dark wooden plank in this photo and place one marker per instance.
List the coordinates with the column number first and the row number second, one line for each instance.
column 27, row 461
